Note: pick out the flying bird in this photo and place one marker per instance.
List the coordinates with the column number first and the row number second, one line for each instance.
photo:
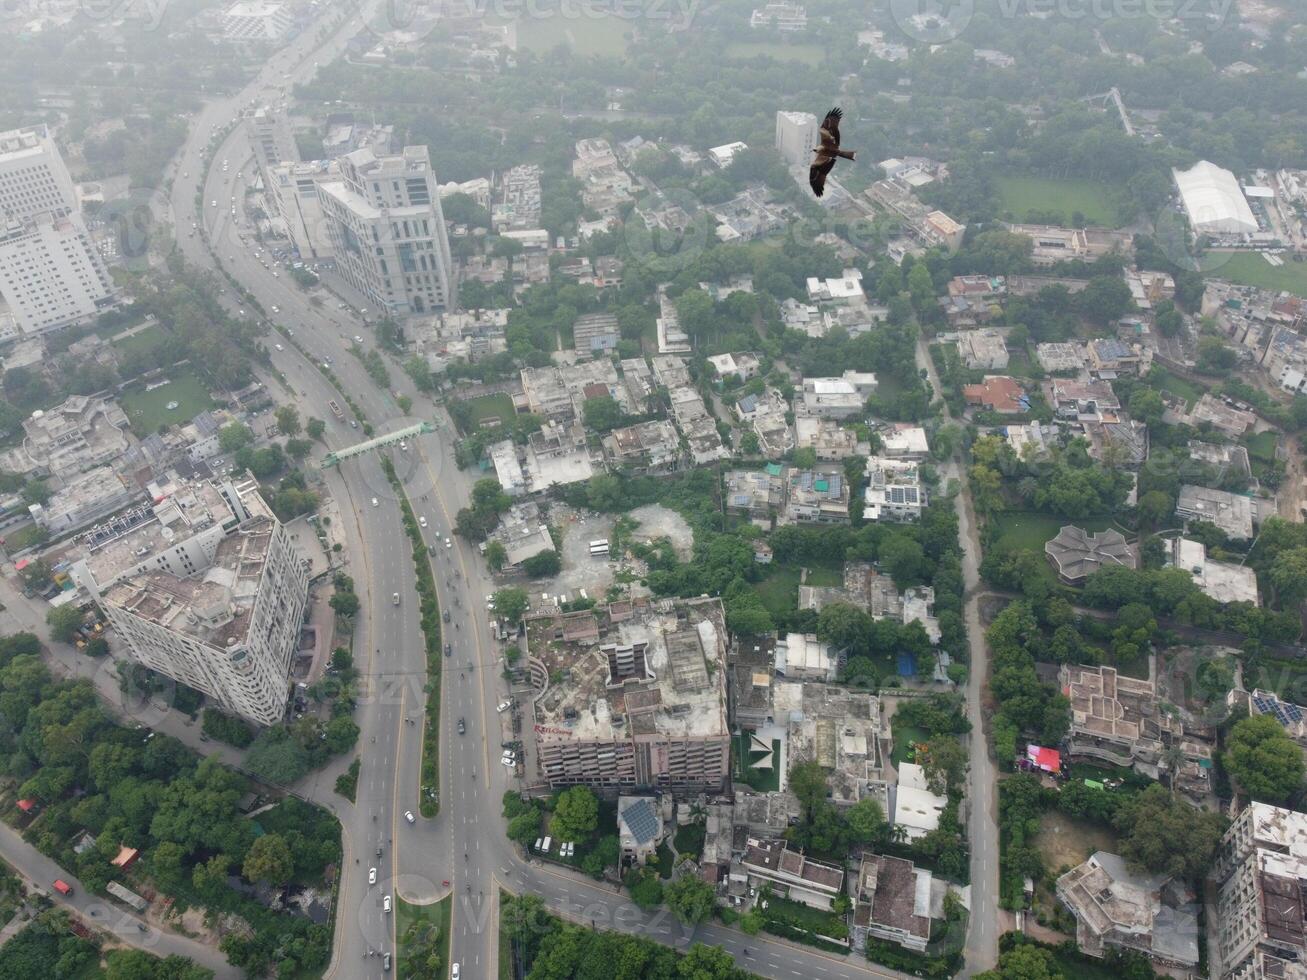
column 828, row 152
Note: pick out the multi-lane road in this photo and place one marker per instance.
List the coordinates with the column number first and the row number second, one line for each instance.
column 464, row 851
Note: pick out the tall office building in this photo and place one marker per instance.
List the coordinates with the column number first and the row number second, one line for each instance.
column 796, row 137
column 293, row 187
column 33, row 177
column 204, row 587
column 271, row 139
column 51, row 276
column 388, row 232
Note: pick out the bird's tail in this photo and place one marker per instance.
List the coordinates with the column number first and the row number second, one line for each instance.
column 846, row 154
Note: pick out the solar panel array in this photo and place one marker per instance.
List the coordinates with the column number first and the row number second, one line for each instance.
column 639, row 817
column 1283, row 712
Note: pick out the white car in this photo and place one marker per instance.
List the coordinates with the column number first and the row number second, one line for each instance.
column 358, row 339
column 213, row 204
column 374, row 502
column 276, row 309
column 385, row 904
column 422, row 521
column 502, row 707
column 403, row 447
column 278, row 346
column 449, row 542
column 454, row 973
column 408, row 815
column 372, row 876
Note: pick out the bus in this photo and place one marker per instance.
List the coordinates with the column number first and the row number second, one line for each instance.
column 335, row 409
column 599, row 549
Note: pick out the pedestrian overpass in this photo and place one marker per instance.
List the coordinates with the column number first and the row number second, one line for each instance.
column 389, row 439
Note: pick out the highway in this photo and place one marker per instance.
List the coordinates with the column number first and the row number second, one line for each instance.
column 464, row 851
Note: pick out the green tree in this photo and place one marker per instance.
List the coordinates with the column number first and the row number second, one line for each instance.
column 1288, row 573
column 269, row 859
column 234, row 436
column 946, row 765
column 645, row 888
column 576, row 814
column 808, row 782
column 845, row 627
column 314, row 428
column 63, row 622
column 542, row 564
column 1264, row 760
column 866, row 820
column 496, row 555
column 602, row 413
column 511, row 604
column 1164, row 834
column 690, row 898
column 288, row 420
column 1024, row 962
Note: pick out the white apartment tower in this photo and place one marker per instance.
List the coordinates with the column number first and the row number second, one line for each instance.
column 33, row 177
column 294, row 189
column 796, row 137
column 204, row 587
column 388, row 232
column 50, row 273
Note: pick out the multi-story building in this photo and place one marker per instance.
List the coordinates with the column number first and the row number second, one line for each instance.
column 796, row 137
column 816, row 497
column 256, row 20
column 204, row 587
column 792, row 874
column 1261, row 867
column 51, row 274
column 893, row 902
column 293, row 188
column 788, row 18
column 1114, row 906
column 838, row 398
column 894, row 491
column 1231, row 512
column 85, row 500
column 388, row 232
column 76, row 435
column 631, row 695
column 271, row 139
column 33, row 177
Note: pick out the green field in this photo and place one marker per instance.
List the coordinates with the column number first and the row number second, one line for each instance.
column 809, row 54
column 143, row 341
column 1251, row 269
column 1261, row 446
column 1164, row 380
column 779, row 591
column 592, row 34
column 1030, row 530
column 406, row 914
column 147, row 410
column 490, row 407
column 1021, row 195
column 826, row 575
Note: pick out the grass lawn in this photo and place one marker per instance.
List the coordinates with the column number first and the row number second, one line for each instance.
column 762, row 780
column 1261, row 446
column 489, row 407
column 826, row 575
column 689, row 840
column 779, row 591
column 436, row 914
column 592, row 34
column 147, row 410
column 1164, row 380
column 904, row 736
column 1021, row 195
column 505, row 947
column 1030, row 531
column 809, row 54
column 143, row 341
column 1253, row 270
column 1019, row 364
column 24, row 537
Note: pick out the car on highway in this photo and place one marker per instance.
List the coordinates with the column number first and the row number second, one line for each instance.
column 403, row 446
column 449, row 542
column 276, row 309
column 462, row 727
column 385, row 904
column 422, row 521
column 213, row 204
column 353, row 424
column 372, row 876
column 454, row 973
column 395, row 599
column 374, row 502
column 62, row 887
column 385, row 962
column 449, row 649
column 445, row 615
column 408, row 815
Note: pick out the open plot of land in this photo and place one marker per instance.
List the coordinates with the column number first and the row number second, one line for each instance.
column 809, row 54
column 489, row 407
column 1029, row 530
column 592, row 34
column 147, row 410
column 1261, row 447
column 1021, row 195
column 1251, row 269
column 779, row 591
column 143, row 341
column 1065, row 841
column 1165, row 381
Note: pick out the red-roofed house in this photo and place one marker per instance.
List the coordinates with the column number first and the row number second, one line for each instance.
column 126, row 857
column 27, row 806
column 1049, row 760
column 999, row 393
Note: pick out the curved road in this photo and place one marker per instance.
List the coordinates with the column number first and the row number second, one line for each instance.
column 465, row 846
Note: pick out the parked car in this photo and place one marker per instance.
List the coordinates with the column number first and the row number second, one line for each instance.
column 372, row 876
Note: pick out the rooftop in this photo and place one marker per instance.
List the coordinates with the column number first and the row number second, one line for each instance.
column 1077, row 553
column 1105, row 704
column 630, row 668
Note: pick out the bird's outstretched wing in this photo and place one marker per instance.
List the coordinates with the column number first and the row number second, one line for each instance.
column 830, row 128
column 817, row 173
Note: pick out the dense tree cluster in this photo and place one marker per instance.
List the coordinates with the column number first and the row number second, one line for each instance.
column 1025, row 703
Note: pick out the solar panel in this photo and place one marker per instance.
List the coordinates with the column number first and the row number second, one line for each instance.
column 1294, row 712
column 640, row 820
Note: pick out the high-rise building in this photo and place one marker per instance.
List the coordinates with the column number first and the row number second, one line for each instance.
column 1261, row 869
column 271, row 139
column 50, row 273
column 293, row 188
column 388, row 232
column 255, row 20
column 33, row 177
column 796, row 137
column 205, row 587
